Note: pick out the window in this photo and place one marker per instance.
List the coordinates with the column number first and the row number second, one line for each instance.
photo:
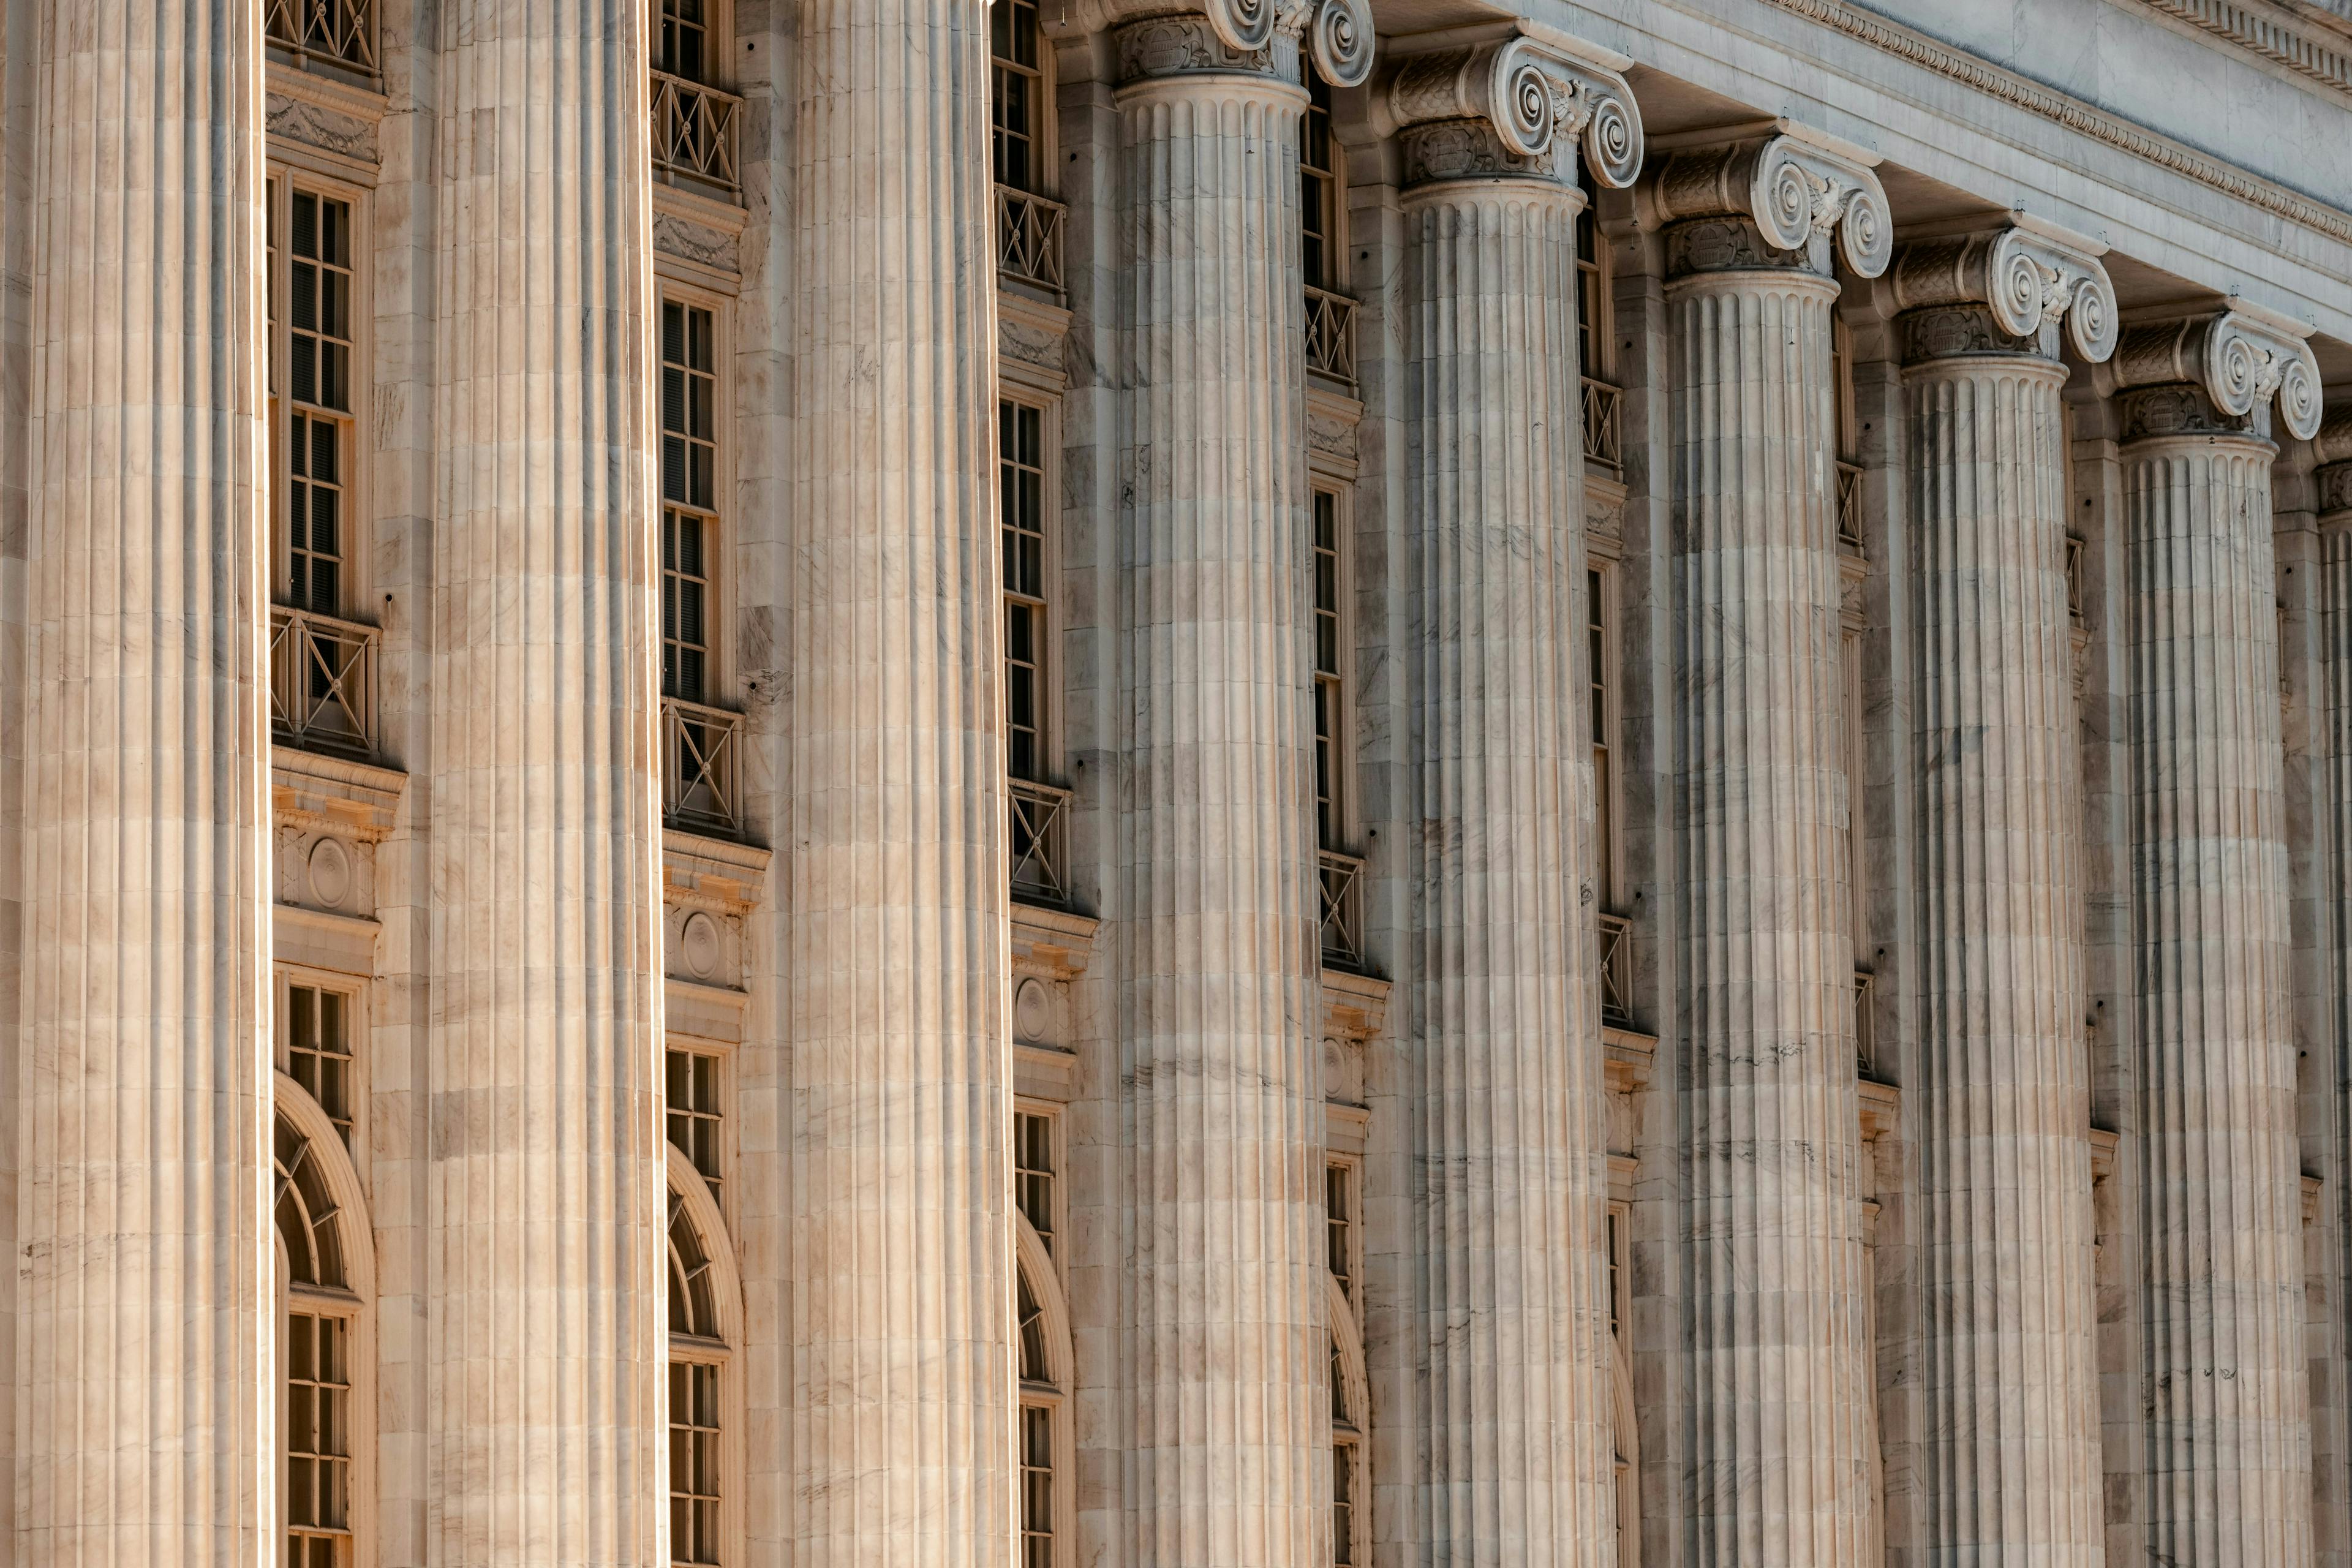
column 698, row 1356
column 1319, row 188
column 1033, row 1173
column 1328, row 711
column 1596, row 671
column 684, row 40
column 1347, row 1444
column 319, row 1050
column 1338, row 1237
column 311, row 290
column 1016, row 95
column 689, row 496
column 1036, row 1434
column 1021, row 484
column 692, row 1106
column 318, row 1440
column 1592, row 324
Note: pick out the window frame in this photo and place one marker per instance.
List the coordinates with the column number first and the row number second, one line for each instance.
column 1337, row 274
column 1343, row 837
column 1348, row 1172
column 1050, row 709
column 1609, row 769
column 718, row 563
column 356, row 993
column 1043, row 139
column 281, row 177
column 718, row 37
column 1355, row 1435
column 1057, row 1200
column 1055, row 1393
column 723, row 1196
column 1600, row 332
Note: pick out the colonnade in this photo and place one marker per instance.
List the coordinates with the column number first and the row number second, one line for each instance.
column 142, row 1093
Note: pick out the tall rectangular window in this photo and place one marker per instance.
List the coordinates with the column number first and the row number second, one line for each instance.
column 1033, row 1173
column 695, row 1115
column 1329, row 824
column 1015, row 96
column 1021, row 480
column 319, row 1050
column 1591, row 298
column 1604, row 721
column 311, row 303
column 693, row 1462
column 1339, row 1219
column 684, row 46
column 1319, row 188
column 689, row 496
column 318, row 1506
column 1036, row 1485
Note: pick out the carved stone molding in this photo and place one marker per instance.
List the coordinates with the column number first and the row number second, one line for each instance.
column 1340, row 42
column 697, row 243
column 315, row 125
column 2333, row 482
column 1794, row 195
column 2236, row 366
column 1513, row 108
column 2020, row 285
column 1252, row 38
column 2264, row 34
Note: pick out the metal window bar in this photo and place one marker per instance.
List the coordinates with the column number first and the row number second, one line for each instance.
column 1040, row 875
column 1865, row 1029
column 698, row 767
column 2078, row 552
column 339, row 32
column 1332, row 335
column 1849, row 508
column 1341, row 879
column 694, row 130
column 1029, row 239
column 1605, row 440
column 321, row 681
column 1616, row 971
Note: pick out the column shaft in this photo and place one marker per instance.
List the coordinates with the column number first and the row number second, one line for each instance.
column 894, row 907
column 2009, row 1358
column 144, row 1340
column 2229, row 1442
column 1220, row 960
column 1510, row 1145
column 1780, row 1421
column 547, row 1428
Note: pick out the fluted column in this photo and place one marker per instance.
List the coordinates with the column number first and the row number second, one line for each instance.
column 144, row 1339
column 2331, row 748
column 2226, row 1389
column 547, row 1429
column 1510, row 1160
column 1780, row 1420
column 2008, row 1366
column 1224, row 1295
column 894, row 910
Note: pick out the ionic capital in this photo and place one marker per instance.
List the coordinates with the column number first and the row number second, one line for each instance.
column 2235, row 363
column 1514, row 108
column 1251, row 38
column 1795, row 196
column 2020, row 284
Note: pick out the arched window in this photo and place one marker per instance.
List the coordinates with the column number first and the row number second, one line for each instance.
column 324, row 1278
column 698, row 1355
column 1045, row 1443
column 1350, row 1425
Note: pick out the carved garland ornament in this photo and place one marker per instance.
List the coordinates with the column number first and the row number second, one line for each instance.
column 1533, row 101
column 2028, row 283
column 2238, row 364
column 1798, row 196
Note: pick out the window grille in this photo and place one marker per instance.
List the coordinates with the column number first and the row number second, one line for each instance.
column 332, row 32
column 691, row 1105
column 319, row 1050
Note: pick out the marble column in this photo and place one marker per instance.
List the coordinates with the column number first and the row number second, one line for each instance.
column 1515, row 1435
column 1780, row 1418
column 547, row 1429
column 895, row 893
column 2010, row 1470
column 1224, row 1307
column 2329, row 688
column 2226, row 1389
column 144, row 1344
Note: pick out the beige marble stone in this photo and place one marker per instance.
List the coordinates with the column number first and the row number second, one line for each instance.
column 143, row 1335
column 546, row 1421
column 893, row 892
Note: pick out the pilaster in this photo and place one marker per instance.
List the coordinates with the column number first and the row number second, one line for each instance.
column 144, row 1340
column 2009, row 1466
column 1507, row 1149
column 546, row 1427
column 1782, row 1425
column 2225, row 1384
column 894, row 889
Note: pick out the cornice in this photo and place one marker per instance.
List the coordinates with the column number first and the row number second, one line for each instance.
column 2072, row 113
column 2255, row 30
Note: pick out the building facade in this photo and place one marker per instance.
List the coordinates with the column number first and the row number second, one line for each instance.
column 1241, row 783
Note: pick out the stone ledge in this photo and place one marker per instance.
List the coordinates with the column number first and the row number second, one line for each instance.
column 714, row 874
column 324, row 794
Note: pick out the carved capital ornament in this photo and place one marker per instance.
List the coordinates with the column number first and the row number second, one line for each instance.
column 2237, row 366
column 1796, row 196
column 2332, row 446
column 1514, row 108
column 1254, row 37
column 2021, row 285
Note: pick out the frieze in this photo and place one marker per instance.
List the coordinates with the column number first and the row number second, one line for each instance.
column 315, row 125
column 691, row 241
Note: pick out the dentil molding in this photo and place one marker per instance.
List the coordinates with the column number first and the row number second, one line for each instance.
column 1512, row 107
column 2216, row 374
column 1795, row 194
column 2021, row 284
